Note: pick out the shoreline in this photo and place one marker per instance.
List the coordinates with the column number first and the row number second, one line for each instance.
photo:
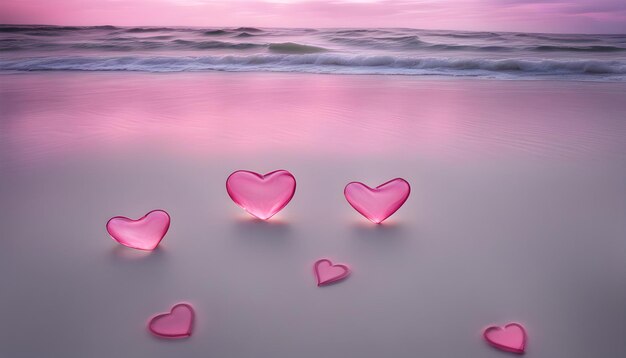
column 435, row 78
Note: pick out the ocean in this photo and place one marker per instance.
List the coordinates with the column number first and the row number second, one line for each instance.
column 493, row 55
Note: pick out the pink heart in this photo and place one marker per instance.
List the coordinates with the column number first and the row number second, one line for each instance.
column 379, row 203
column 176, row 324
column 510, row 338
column 261, row 195
column 327, row 273
column 144, row 233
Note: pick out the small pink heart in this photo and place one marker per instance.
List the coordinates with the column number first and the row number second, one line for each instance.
column 261, row 195
column 176, row 324
column 144, row 233
column 510, row 338
column 379, row 203
column 327, row 273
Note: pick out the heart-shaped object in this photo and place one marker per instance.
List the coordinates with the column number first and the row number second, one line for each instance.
column 178, row 323
column 327, row 273
column 379, row 203
column 510, row 338
column 144, row 233
column 261, row 195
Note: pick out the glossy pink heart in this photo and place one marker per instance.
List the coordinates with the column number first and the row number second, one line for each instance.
column 510, row 338
column 178, row 323
column 379, row 203
column 261, row 195
column 144, row 233
column 327, row 273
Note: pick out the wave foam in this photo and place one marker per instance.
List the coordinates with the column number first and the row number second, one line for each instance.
column 332, row 63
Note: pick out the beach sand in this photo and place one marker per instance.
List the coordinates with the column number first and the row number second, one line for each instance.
column 516, row 214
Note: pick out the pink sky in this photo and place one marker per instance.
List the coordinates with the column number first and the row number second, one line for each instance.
column 577, row 16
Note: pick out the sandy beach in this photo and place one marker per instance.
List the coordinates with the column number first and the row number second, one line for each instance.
column 516, row 214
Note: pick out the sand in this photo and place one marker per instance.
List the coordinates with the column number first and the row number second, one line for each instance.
column 516, row 214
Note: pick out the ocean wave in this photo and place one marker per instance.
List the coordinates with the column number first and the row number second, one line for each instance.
column 203, row 45
column 557, row 38
column 594, row 48
column 133, row 30
column 30, row 28
column 168, row 42
column 464, row 35
column 216, row 32
column 294, row 48
column 245, row 34
column 367, row 51
column 332, row 63
column 248, row 29
column 403, row 42
column 491, row 48
column 408, row 41
column 354, row 31
column 118, row 44
column 130, row 39
column 413, row 42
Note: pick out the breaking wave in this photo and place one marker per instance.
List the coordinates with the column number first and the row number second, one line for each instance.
column 401, row 51
column 294, row 48
column 331, row 63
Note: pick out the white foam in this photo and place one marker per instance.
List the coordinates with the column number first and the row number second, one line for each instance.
column 333, row 63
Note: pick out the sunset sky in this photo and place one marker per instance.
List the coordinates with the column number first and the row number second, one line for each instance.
column 573, row 16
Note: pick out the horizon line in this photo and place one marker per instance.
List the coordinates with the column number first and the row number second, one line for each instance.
column 321, row 27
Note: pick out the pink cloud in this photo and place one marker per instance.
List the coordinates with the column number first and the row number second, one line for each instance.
column 496, row 15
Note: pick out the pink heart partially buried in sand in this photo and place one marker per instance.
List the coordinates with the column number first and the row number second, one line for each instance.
column 510, row 338
column 326, row 272
column 178, row 323
column 261, row 195
column 379, row 203
column 144, row 233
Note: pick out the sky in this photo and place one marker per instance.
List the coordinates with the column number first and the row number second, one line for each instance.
column 567, row 16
